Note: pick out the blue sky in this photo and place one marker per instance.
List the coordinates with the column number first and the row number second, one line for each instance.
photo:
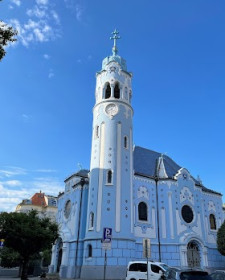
column 175, row 50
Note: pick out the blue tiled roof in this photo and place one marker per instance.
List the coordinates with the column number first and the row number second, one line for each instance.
column 81, row 173
column 145, row 162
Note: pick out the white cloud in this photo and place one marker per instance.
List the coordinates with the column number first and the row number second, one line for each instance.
column 46, row 56
column 76, row 8
column 10, row 171
column 79, row 12
column 51, row 74
column 42, row 24
column 36, row 12
column 10, row 197
column 26, row 118
column 45, row 170
column 9, row 204
column 33, row 31
column 16, row 2
column 42, row 2
column 55, row 16
column 12, row 183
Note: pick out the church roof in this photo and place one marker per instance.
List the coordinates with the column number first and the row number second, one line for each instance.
column 80, row 173
column 146, row 162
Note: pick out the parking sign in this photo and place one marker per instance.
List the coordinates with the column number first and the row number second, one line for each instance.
column 1, row 242
column 107, row 235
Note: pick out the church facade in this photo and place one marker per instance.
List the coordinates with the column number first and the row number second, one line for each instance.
column 136, row 192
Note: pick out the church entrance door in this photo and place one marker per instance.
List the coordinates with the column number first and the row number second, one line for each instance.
column 193, row 254
column 59, row 260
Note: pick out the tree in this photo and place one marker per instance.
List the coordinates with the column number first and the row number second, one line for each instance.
column 221, row 239
column 27, row 234
column 7, row 34
column 9, row 258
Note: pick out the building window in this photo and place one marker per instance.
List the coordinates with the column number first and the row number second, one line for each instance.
column 107, row 91
column 126, row 93
column 130, row 96
column 126, row 142
column 117, row 91
column 187, row 214
column 67, row 209
column 97, row 131
column 89, row 249
column 109, row 177
column 91, row 221
column 212, row 221
column 142, row 211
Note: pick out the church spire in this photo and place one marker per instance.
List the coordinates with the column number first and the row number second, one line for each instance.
column 115, row 37
column 114, row 57
column 161, row 170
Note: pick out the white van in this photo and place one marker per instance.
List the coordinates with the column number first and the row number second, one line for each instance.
column 137, row 270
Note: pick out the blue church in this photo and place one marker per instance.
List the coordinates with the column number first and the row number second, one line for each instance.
column 136, row 192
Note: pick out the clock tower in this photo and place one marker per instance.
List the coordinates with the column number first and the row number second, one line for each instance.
column 110, row 203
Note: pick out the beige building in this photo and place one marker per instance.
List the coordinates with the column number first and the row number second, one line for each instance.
column 45, row 205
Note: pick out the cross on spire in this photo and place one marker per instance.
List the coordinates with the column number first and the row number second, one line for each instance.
column 115, row 37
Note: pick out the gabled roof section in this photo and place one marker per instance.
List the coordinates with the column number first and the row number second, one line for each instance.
column 146, row 161
column 80, row 173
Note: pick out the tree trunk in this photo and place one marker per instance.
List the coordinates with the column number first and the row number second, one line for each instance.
column 24, row 269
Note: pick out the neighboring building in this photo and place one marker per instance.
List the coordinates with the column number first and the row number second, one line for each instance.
column 137, row 192
column 45, row 205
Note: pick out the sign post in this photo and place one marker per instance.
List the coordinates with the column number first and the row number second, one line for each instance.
column 147, row 251
column 106, row 245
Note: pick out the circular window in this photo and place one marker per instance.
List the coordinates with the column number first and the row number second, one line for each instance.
column 187, row 214
column 67, row 208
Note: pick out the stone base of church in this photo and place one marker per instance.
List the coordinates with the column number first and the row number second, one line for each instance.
column 97, row 272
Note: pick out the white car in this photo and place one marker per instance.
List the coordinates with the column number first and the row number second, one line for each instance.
column 137, row 270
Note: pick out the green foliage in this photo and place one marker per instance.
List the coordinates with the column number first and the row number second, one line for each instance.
column 27, row 234
column 221, row 239
column 46, row 257
column 7, row 34
column 9, row 258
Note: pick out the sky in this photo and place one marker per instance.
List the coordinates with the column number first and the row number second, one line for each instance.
column 176, row 52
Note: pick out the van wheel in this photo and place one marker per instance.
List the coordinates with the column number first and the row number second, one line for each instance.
column 132, row 279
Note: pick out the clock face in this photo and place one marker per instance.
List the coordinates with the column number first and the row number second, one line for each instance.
column 67, row 209
column 111, row 109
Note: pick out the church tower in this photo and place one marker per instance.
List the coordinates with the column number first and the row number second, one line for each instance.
column 110, row 203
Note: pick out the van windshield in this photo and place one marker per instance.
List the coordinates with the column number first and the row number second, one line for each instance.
column 165, row 266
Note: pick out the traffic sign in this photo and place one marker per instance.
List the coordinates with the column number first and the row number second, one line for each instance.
column 146, row 248
column 107, row 235
column 106, row 246
column 2, row 243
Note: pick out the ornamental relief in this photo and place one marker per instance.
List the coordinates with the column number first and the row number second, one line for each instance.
column 211, row 206
column 143, row 192
column 185, row 194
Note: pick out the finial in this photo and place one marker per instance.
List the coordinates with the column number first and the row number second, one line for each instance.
column 115, row 37
column 79, row 165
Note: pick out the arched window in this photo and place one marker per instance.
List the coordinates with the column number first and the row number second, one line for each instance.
column 91, row 221
column 212, row 221
column 126, row 93
column 117, row 91
column 107, row 91
column 109, row 177
column 142, row 211
column 97, row 131
column 89, row 251
column 126, row 142
column 130, row 96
